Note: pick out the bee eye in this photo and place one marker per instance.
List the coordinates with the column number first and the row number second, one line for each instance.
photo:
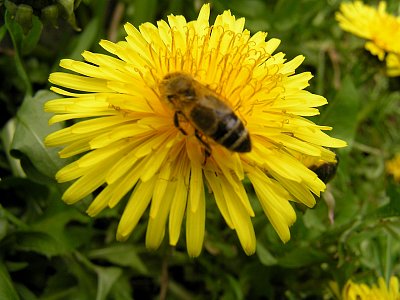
column 190, row 93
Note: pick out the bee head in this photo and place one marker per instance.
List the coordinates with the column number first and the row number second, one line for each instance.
column 177, row 88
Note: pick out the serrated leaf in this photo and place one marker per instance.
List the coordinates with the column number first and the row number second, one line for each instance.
column 7, row 289
column 31, row 129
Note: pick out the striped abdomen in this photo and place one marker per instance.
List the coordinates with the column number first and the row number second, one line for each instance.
column 216, row 120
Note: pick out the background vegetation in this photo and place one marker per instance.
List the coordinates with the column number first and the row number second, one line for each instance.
column 52, row 251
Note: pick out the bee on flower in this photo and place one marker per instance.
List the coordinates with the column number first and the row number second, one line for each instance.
column 182, row 106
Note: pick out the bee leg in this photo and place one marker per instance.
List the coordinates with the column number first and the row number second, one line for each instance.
column 176, row 122
column 207, row 148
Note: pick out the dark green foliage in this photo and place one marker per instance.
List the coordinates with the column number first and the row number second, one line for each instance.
column 49, row 250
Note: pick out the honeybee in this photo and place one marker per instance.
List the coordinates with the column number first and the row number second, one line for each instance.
column 205, row 111
column 324, row 170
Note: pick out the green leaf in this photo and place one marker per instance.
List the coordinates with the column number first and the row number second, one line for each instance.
column 69, row 6
column 234, row 290
column 54, row 222
column 106, row 279
column 3, row 31
column 38, row 242
column 16, row 34
column 30, row 41
column 3, row 227
column 302, row 257
column 7, row 290
column 86, row 39
column 31, row 129
column 122, row 255
column 392, row 209
column 122, row 289
column 266, row 258
column 145, row 11
column 286, row 14
column 25, row 293
column 342, row 111
column 7, row 136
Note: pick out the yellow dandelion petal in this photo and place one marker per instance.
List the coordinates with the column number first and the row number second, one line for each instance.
column 289, row 68
column 319, row 138
column 274, row 200
column 137, row 204
column 240, row 218
column 123, row 186
column 177, row 212
column 393, row 64
column 299, row 191
column 79, row 167
column 86, row 184
column 124, row 165
column 393, row 167
column 161, row 188
column 70, row 172
column 75, row 148
column 196, row 179
column 100, row 202
column 195, row 217
column 375, row 50
column 158, row 217
column 80, row 83
column 137, row 135
column 213, row 181
column 153, row 166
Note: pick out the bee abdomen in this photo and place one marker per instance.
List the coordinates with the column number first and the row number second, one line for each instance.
column 232, row 134
column 223, row 126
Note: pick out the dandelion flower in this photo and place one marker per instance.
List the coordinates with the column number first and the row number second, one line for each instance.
column 356, row 291
column 381, row 29
column 393, row 167
column 129, row 146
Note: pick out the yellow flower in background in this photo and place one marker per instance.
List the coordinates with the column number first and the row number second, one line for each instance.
column 373, row 24
column 393, row 64
column 393, row 167
column 130, row 143
column 361, row 291
column 380, row 29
